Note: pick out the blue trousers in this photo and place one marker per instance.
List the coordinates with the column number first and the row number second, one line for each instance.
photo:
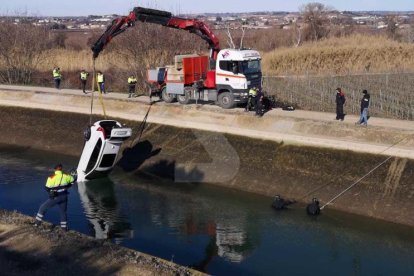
column 102, row 87
column 363, row 119
column 61, row 201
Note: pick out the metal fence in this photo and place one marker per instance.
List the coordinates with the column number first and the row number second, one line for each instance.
column 392, row 94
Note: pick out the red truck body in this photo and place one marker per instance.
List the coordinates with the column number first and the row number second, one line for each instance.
column 195, row 69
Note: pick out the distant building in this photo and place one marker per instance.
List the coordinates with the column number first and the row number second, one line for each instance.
column 101, row 20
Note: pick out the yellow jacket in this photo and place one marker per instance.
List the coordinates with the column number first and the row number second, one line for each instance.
column 59, row 180
column 57, row 74
column 132, row 80
column 252, row 92
column 100, row 78
column 84, row 75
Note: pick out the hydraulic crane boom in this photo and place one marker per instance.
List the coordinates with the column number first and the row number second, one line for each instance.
column 119, row 25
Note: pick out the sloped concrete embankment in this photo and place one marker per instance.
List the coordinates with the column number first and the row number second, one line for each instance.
column 252, row 165
column 303, row 128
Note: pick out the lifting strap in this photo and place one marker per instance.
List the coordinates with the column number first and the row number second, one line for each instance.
column 95, row 79
column 330, row 183
column 356, row 182
column 101, row 99
column 93, row 90
column 141, row 128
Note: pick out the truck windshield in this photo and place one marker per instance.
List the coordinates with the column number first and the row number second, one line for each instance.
column 251, row 66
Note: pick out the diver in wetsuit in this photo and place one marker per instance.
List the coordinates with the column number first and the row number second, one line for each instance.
column 280, row 203
column 313, row 209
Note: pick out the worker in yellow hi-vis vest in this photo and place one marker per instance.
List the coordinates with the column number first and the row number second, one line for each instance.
column 252, row 99
column 101, row 81
column 84, row 78
column 57, row 187
column 57, row 77
column 132, row 82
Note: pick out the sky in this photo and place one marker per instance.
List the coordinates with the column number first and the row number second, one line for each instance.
column 101, row 7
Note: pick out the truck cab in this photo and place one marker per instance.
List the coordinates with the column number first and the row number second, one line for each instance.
column 236, row 72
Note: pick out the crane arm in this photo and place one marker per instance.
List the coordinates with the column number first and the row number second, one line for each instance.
column 119, row 25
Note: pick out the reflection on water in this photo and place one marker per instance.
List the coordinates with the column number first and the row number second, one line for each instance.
column 231, row 241
column 219, row 231
column 101, row 209
column 209, row 228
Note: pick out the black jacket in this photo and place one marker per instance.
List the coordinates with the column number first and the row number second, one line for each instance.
column 340, row 98
column 365, row 101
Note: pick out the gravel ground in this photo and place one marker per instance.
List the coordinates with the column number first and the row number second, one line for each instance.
column 47, row 250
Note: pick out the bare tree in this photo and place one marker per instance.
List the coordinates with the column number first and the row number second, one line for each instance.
column 411, row 30
column 242, row 36
column 316, row 17
column 21, row 51
column 230, row 39
column 147, row 46
column 392, row 26
column 58, row 39
column 296, row 34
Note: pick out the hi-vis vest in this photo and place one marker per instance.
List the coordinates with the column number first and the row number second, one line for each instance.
column 59, row 179
column 56, row 74
column 252, row 92
column 84, row 75
column 132, row 80
column 100, row 78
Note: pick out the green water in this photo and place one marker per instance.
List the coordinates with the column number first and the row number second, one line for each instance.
column 220, row 231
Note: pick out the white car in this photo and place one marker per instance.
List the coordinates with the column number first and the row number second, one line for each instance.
column 102, row 143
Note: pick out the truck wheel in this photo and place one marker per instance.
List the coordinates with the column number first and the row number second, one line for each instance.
column 225, row 100
column 87, row 133
column 184, row 99
column 166, row 97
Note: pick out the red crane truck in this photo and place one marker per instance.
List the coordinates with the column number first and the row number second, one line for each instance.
column 224, row 76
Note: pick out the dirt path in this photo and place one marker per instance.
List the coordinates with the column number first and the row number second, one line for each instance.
column 48, row 251
column 316, row 129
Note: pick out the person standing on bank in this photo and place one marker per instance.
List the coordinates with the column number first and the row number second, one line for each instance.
column 101, row 82
column 57, row 186
column 251, row 99
column 132, row 82
column 363, row 120
column 57, row 77
column 340, row 101
column 259, row 102
column 83, row 78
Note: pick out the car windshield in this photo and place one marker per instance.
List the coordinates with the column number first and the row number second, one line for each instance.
column 251, row 66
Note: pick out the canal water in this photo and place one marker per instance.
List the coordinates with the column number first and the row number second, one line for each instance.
column 219, row 231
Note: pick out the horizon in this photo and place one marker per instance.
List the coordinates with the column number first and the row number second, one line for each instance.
column 215, row 13
column 77, row 8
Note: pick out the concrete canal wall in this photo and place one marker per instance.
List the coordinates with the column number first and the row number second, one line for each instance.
column 259, row 164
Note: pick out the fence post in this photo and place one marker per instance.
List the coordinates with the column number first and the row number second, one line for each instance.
column 380, row 91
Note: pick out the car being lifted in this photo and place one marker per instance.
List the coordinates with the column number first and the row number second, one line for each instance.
column 103, row 141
